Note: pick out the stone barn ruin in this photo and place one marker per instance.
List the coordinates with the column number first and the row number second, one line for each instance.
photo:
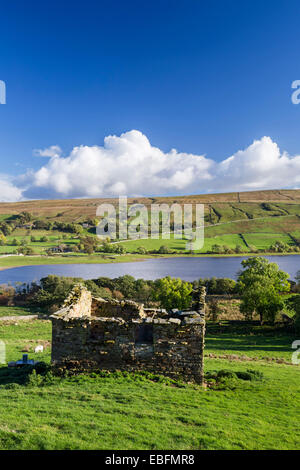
column 93, row 333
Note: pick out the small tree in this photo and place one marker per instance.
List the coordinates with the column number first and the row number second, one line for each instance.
column 3, row 240
column 216, row 248
column 172, row 293
column 260, row 285
column 164, row 250
column 141, row 250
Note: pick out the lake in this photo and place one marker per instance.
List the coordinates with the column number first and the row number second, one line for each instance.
column 188, row 269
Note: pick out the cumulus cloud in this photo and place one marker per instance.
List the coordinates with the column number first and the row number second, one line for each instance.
column 129, row 165
column 259, row 166
column 125, row 165
column 9, row 192
column 52, row 151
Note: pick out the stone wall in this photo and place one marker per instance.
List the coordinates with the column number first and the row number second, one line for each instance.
column 121, row 335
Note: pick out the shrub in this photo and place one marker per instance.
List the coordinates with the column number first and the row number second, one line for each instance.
column 164, row 250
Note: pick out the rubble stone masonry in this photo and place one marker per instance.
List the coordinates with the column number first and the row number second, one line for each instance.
column 93, row 333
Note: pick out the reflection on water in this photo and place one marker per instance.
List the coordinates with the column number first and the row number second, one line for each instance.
column 188, row 269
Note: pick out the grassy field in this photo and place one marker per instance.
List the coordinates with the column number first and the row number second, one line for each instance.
column 247, row 203
column 54, row 238
column 133, row 411
column 180, row 246
column 14, row 261
column 13, row 311
column 251, row 221
column 256, row 346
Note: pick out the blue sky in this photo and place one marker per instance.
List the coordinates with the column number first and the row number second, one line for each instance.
column 205, row 78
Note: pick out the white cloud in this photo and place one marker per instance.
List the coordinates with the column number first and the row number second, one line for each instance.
column 52, row 151
column 8, row 191
column 130, row 165
column 259, row 166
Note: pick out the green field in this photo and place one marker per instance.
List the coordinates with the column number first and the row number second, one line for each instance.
column 54, row 238
column 14, row 261
column 265, row 240
column 12, row 311
column 134, row 411
column 181, row 245
column 251, row 221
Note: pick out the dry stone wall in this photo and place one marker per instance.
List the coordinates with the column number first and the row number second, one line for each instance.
column 92, row 333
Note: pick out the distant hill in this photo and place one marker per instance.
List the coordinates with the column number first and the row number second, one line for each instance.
column 236, row 205
column 244, row 222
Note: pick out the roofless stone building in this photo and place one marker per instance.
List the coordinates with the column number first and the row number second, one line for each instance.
column 93, row 333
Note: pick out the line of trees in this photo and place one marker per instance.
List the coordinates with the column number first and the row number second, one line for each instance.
column 260, row 285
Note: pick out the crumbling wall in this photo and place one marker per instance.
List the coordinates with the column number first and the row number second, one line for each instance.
column 127, row 309
column 123, row 336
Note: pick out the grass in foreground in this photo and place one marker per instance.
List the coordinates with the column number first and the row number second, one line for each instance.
column 131, row 411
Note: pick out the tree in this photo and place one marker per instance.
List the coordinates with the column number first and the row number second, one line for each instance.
column 78, row 229
column 164, row 250
column 25, row 217
column 3, row 240
column 5, row 228
column 126, row 285
column 279, row 247
column 89, row 244
column 143, row 290
column 141, row 250
column 25, row 250
column 53, row 290
column 173, row 293
column 260, row 285
column 226, row 249
column 106, row 247
column 43, row 224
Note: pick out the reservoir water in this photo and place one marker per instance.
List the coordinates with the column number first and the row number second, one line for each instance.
column 185, row 268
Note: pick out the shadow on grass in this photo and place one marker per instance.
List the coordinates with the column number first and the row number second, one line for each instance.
column 20, row 375
column 257, row 343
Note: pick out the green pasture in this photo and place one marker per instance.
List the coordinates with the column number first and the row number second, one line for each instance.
column 136, row 411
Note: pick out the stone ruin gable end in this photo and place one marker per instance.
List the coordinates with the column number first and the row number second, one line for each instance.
column 126, row 309
column 94, row 333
